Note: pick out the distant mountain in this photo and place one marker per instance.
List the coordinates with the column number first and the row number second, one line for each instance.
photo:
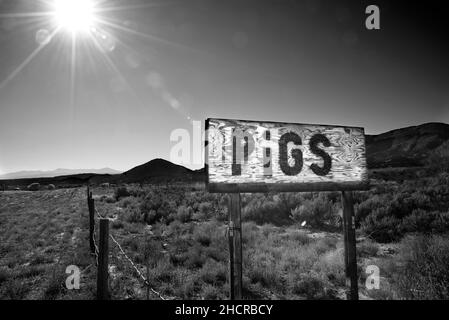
column 157, row 168
column 55, row 173
column 407, row 147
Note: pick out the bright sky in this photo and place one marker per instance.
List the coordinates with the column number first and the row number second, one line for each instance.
column 137, row 70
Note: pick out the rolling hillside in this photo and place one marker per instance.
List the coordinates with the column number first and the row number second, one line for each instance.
column 407, row 147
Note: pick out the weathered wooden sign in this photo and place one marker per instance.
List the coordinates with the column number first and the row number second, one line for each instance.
column 251, row 156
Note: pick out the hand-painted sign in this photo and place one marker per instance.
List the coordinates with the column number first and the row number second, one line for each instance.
column 252, row 156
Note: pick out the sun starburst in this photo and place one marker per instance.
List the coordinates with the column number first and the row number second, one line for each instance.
column 74, row 15
column 93, row 29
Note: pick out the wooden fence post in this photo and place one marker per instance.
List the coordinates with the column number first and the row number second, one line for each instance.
column 235, row 221
column 91, row 206
column 103, row 263
column 350, row 245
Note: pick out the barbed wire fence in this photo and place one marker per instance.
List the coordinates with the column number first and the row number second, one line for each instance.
column 96, row 249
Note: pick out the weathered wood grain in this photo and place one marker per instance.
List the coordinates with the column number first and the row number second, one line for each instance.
column 251, row 156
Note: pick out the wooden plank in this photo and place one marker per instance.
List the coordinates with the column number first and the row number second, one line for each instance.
column 251, row 156
column 236, row 223
column 350, row 245
column 103, row 261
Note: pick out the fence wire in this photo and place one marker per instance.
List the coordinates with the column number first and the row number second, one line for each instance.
column 96, row 251
column 133, row 265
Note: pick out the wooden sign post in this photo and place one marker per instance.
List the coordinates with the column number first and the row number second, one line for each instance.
column 252, row 156
column 235, row 223
column 350, row 245
column 231, row 258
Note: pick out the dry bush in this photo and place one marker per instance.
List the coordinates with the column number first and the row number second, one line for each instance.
column 424, row 268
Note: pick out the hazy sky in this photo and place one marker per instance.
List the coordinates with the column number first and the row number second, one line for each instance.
column 113, row 98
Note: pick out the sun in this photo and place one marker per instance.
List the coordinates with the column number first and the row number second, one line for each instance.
column 74, row 15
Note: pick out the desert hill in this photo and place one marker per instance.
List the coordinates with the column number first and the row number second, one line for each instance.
column 157, row 168
column 409, row 147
